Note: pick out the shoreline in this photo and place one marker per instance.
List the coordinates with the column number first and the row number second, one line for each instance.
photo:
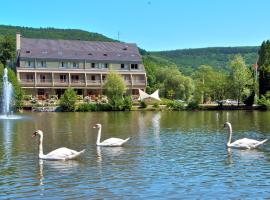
column 202, row 107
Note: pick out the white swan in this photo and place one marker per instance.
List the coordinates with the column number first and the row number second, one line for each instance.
column 111, row 142
column 244, row 143
column 58, row 154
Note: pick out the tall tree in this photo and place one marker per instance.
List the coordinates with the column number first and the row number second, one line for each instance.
column 114, row 89
column 241, row 76
column 174, row 85
column 7, row 49
column 264, row 67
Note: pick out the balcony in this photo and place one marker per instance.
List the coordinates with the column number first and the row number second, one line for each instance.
column 139, row 82
column 93, row 82
column 61, row 82
column 44, row 82
column 27, row 82
column 79, row 82
column 128, row 82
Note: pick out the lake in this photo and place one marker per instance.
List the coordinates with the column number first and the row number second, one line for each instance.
column 170, row 155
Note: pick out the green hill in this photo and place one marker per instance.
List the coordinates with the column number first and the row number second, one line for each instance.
column 53, row 33
column 188, row 60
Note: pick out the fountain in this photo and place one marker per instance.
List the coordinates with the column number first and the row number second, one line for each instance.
column 7, row 98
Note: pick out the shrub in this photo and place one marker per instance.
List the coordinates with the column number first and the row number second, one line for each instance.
column 193, row 105
column 117, row 104
column 176, row 105
column 86, row 107
column 156, row 105
column 127, row 104
column 79, row 97
column 68, row 100
column 264, row 102
column 27, row 97
column 143, row 104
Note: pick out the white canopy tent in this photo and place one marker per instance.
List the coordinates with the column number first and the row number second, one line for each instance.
column 144, row 95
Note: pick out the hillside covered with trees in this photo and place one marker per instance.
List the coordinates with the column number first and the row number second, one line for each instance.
column 188, row 60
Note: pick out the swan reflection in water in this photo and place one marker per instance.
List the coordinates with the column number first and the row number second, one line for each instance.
column 246, row 156
column 60, row 167
column 109, row 152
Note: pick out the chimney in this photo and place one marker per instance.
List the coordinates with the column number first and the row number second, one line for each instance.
column 18, row 41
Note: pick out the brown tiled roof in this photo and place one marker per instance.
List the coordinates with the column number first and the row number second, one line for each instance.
column 79, row 50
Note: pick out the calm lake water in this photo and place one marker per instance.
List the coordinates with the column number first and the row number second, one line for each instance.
column 170, row 155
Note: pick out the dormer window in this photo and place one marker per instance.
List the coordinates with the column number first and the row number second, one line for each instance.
column 105, row 54
column 63, row 64
column 75, row 65
column 27, row 51
column 30, row 63
column 41, row 63
column 134, row 66
column 90, row 54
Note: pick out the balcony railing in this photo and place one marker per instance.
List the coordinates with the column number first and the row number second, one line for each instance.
column 79, row 82
column 138, row 82
column 44, row 82
column 61, row 82
column 27, row 82
column 93, row 82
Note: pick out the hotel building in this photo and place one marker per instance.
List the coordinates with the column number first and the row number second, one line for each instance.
column 48, row 67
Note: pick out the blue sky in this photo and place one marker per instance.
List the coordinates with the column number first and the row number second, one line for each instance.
column 152, row 24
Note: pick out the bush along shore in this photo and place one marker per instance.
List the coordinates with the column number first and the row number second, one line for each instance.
column 79, row 104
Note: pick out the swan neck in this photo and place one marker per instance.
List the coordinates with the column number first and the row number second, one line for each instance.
column 40, row 146
column 229, row 134
column 98, row 136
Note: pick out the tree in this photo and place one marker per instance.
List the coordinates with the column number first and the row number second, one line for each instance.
column 68, row 100
column 264, row 67
column 115, row 88
column 7, row 49
column 174, row 85
column 241, row 76
column 202, row 78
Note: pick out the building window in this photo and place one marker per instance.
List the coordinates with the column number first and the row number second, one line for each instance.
column 122, row 66
column 30, row 63
column 63, row 64
column 134, row 66
column 29, row 77
column 106, row 65
column 41, row 63
column 75, row 65
column 75, row 78
column 63, row 78
column 103, row 77
column 93, row 65
column 42, row 78
column 93, row 78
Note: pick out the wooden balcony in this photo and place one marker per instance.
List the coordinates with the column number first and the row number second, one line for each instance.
column 139, row 82
column 128, row 82
column 27, row 82
column 44, row 82
column 79, row 82
column 93, row 82
column 61, row 82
